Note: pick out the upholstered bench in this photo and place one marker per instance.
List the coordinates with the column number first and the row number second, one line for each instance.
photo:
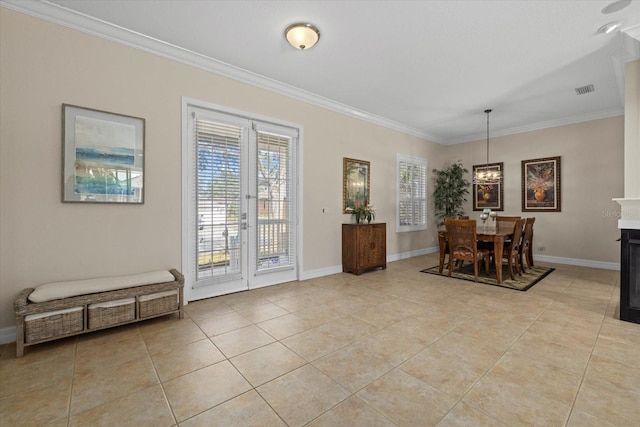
column 62, row 309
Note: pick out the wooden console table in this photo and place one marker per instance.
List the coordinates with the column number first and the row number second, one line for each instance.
column 364, row 247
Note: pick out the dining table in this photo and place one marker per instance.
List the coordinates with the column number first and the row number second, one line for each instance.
column 498, row 235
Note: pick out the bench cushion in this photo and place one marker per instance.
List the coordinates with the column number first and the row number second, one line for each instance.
column 57, row 290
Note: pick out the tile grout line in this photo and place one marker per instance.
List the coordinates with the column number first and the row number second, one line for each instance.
column 402, row 295
column 493, row 366
column 310, row 363
column 155, row 370
column 595, row 343
column 73, row 380
column 506, row 351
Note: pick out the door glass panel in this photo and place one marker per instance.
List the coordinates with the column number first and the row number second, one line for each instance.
column 218, row 201
column 274, row 227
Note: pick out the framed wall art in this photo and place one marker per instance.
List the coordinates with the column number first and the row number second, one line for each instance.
column 489, row 196
column 355, row 182
column 102, row 156
column 541, row 185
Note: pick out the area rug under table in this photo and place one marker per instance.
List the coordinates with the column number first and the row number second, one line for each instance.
column 521, row 283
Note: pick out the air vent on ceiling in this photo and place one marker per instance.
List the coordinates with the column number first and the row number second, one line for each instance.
column 585, row 89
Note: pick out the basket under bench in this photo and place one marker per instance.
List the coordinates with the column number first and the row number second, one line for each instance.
column 50, row 320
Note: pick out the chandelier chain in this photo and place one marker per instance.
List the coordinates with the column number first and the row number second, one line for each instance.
column 486, row 176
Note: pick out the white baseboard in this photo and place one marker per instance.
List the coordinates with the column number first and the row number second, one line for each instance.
column 321, row 272
column 411, row 254
column 7, row 335
column 579, row 262
column 542, row 258
column 313, row 274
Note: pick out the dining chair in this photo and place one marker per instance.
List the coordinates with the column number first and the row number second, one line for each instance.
column 506, row 221
column 512, row 252
column 502, row 220
column 443, row 246
column 463, row 244
column 526, row 249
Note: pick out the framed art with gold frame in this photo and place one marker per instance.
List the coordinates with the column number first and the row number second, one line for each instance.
column 356, row 175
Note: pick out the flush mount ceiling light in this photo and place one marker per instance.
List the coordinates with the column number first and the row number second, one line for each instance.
column 302, row 36
column 610, row 27
column 616, row 6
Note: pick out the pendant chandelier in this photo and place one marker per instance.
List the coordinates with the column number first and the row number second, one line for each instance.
column 486, row 175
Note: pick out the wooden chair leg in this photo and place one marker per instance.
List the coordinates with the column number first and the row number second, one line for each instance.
column 521, row 261
column 510, row 263
column 475, row 269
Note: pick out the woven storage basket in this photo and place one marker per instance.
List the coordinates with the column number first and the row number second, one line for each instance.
column 42, row 326
column 111, row 313
column 158, row 303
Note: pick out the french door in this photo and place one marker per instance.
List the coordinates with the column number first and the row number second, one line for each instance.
column 241, row 226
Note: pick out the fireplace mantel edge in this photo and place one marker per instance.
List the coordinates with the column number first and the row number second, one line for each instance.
column 630, row 215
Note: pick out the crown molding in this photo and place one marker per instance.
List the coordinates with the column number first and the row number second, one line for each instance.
column 539, row 126
column 77, row 21
column 633, row 32
column 57, row 14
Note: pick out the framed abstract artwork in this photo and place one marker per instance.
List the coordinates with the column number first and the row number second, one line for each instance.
column 102, row 156
column 541, row 185
column 488, row 195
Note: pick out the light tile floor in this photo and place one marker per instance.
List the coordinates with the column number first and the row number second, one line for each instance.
column 387, row 348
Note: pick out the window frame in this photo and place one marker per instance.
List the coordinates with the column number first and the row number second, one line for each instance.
column 422, row 163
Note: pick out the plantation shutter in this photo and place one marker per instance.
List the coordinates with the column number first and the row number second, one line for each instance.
column 412, row 194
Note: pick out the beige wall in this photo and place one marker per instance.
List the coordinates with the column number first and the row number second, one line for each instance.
column 591, row 176
column 43, row 65
column 42, row 239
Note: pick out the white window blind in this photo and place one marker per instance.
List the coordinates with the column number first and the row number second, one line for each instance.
column 239, row 200
column 276, row 229
column 218, row 197
column 412, row 193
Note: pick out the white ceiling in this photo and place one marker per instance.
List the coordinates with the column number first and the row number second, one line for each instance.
column 427, row 67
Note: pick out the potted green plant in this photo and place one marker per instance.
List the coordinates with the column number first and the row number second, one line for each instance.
column 451, row 186
column 363, row 211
